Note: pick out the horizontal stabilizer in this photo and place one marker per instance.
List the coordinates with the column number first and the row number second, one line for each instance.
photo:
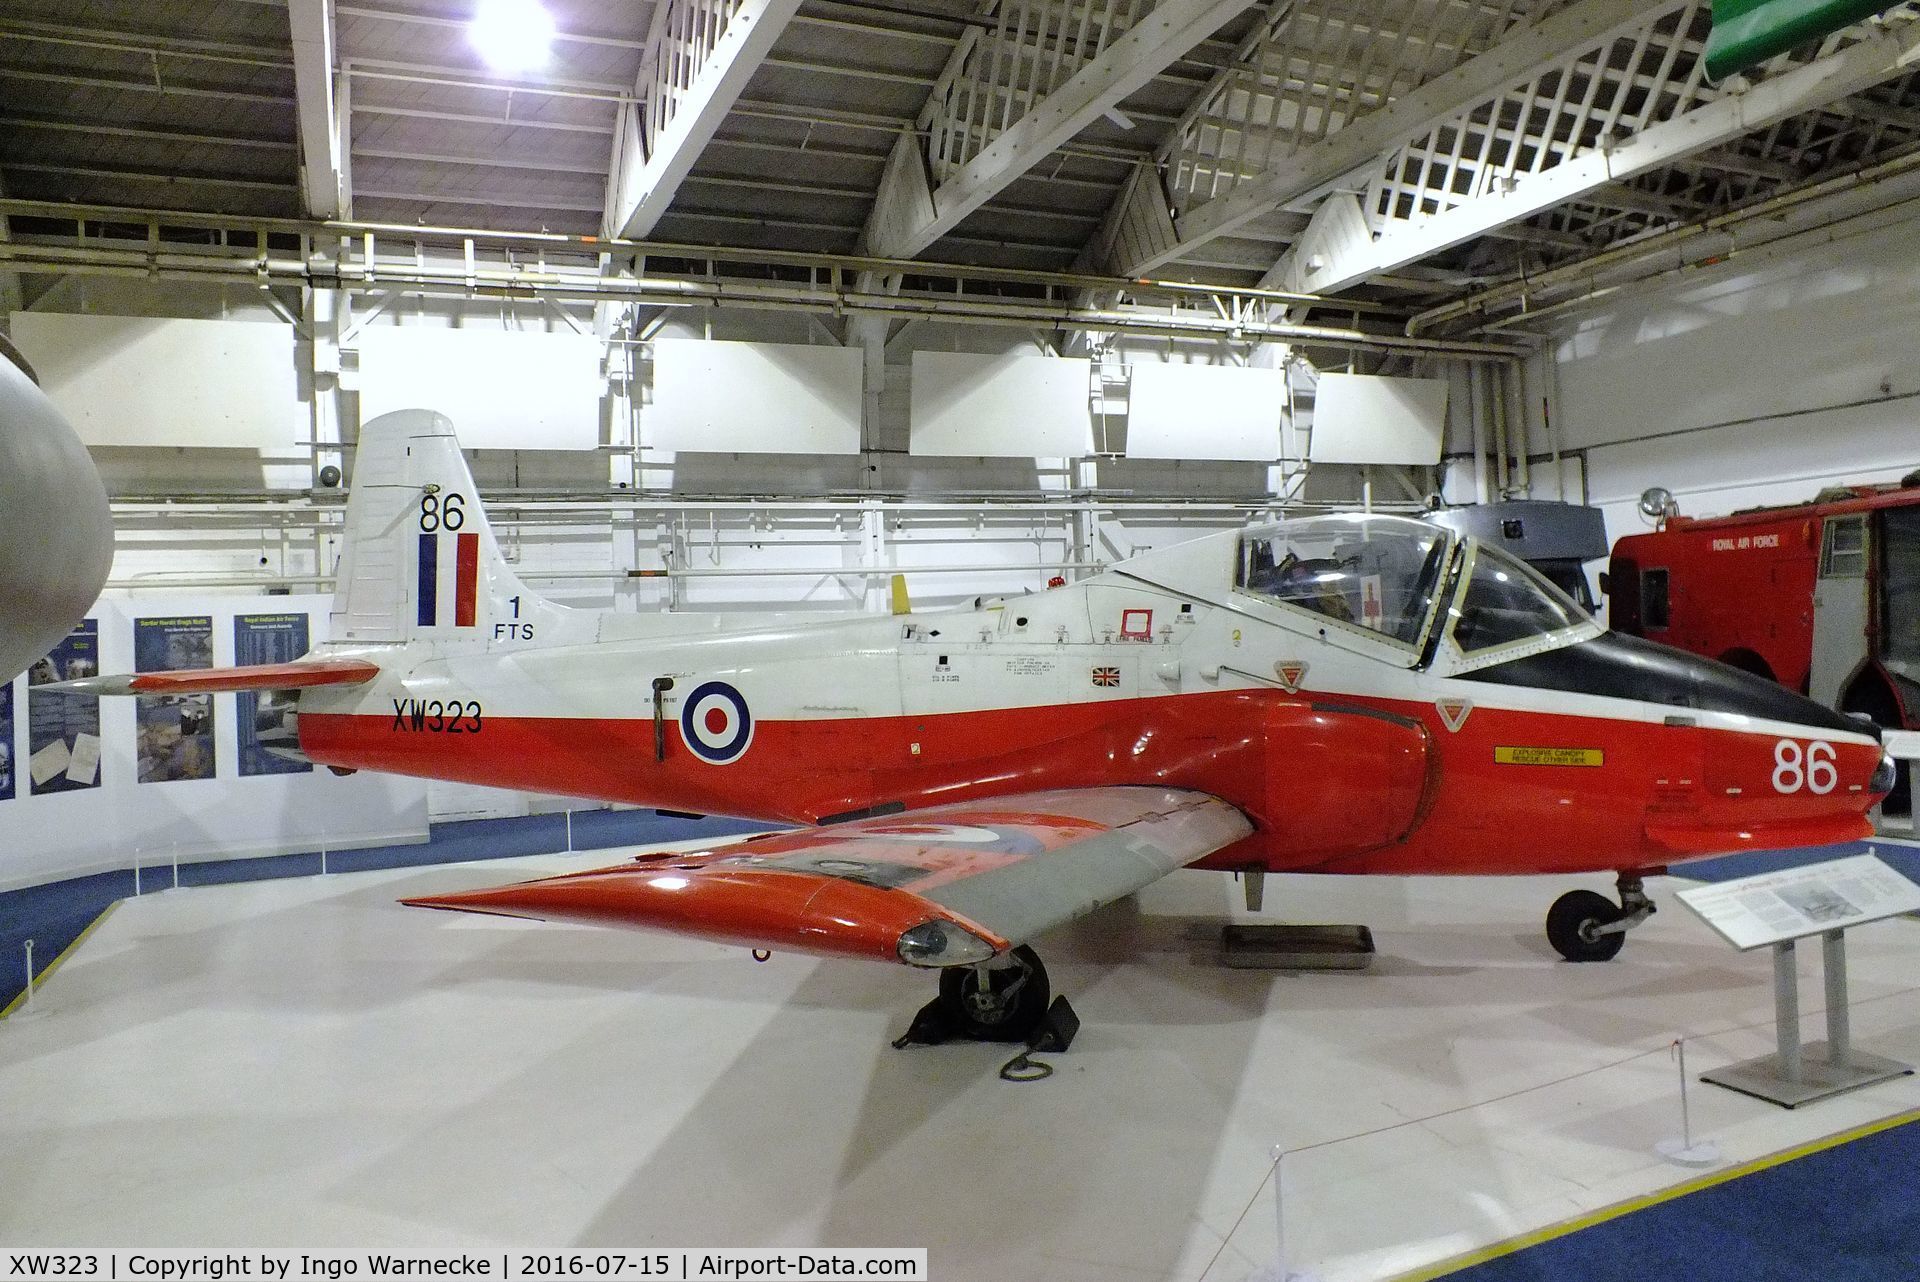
column 946, row 886
column 265, row 676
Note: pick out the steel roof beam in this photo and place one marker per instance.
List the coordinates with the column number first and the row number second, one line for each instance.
column 142, row 134
column 173, row 180
column 136, row 84
column 1056, row 93
column 463, row 24
column 484, row 199
column 322, row 140
column 466, row 118
column 700, row 55
column 483, row 162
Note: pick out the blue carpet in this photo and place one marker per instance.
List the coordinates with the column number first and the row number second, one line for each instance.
column 1842, row 1214
column 1902, row 857
column 54, row 915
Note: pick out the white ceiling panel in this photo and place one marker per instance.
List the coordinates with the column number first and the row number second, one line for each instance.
column 1007, row 406
column 754, row 398
column 1205, row 412
column 1364, row 418
column 503, row 390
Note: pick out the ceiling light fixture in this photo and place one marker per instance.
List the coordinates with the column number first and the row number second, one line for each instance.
column 513, row 35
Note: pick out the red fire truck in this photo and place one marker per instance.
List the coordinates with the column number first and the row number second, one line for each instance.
column 1823, row 597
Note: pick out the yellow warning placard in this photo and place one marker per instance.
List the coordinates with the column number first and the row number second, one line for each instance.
column 1549, row 756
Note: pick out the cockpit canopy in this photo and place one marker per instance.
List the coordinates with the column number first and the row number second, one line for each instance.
column 1505, row 601
column 1380, row 574
column 1386, row 578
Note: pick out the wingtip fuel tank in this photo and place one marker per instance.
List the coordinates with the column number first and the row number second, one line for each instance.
column 56, row 538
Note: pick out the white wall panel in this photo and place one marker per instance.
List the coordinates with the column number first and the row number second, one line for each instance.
column 1757, row 382
column 1007, row 406
column 503, row 389
column 1205, row 412
column 1365, row 418
column 754, row 398
column 133, row 380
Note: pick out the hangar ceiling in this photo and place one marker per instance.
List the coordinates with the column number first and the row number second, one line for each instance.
column 1401, row 153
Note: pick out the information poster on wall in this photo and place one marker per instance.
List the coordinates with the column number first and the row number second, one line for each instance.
column 175, row 730
column 63, row 730
column 266, row 638
column 6, row 742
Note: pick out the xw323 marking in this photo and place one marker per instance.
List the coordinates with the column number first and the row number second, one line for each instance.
column 437, row 716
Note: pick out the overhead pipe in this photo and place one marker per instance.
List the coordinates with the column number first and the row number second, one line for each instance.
column 462, row 281
column 1515, row 406
column 141, row 583
column 591, row 247
column 1520, row 290
column 1765, row 251
column 1476, row 415
column 1502, row 463
column 508, row 506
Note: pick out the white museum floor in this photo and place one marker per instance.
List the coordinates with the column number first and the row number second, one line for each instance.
column 306, row 1063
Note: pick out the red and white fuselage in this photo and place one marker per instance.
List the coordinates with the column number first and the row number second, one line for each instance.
column 1437, row 718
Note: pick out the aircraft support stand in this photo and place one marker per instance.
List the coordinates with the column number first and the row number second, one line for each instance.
column 1004, row 1000
column 1289, row 947
column 1796, row 1074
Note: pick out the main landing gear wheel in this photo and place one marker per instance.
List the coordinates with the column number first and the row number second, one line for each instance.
column 1585, row 926
column 996, row 1003
column 1573, row 925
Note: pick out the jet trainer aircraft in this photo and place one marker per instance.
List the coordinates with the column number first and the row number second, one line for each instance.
column 1331, row 694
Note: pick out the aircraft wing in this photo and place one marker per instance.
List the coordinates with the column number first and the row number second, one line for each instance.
column 945, row 886
column 264, row 676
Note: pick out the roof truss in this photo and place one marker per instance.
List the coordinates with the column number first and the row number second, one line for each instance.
column 1578, row 136
column 1308, row 102
column 325, row 188
column 1013, row 93
column 699, row 56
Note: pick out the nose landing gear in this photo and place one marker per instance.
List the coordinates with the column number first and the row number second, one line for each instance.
column 1584, row 926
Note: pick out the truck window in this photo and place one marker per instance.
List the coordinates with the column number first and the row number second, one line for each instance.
column 1900, row 589
column 1653, row 599
column 1845, row 553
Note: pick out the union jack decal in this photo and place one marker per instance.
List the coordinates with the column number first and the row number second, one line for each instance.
column 1106, row 677
column 447, row 562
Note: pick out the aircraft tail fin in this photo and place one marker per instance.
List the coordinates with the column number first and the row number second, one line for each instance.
column 420, row 560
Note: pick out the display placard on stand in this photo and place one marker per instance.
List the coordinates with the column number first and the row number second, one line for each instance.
column 1776, row 909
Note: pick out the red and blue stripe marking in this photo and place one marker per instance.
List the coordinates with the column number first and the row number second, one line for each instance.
column 466, row 581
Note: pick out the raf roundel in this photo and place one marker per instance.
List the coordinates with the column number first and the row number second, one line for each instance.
column 715, row 723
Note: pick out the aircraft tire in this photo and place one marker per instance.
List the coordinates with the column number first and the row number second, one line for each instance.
column 1576, row 912
column 1011, row 1020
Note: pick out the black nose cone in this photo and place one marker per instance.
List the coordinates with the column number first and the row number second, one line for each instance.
column 1623, row 667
